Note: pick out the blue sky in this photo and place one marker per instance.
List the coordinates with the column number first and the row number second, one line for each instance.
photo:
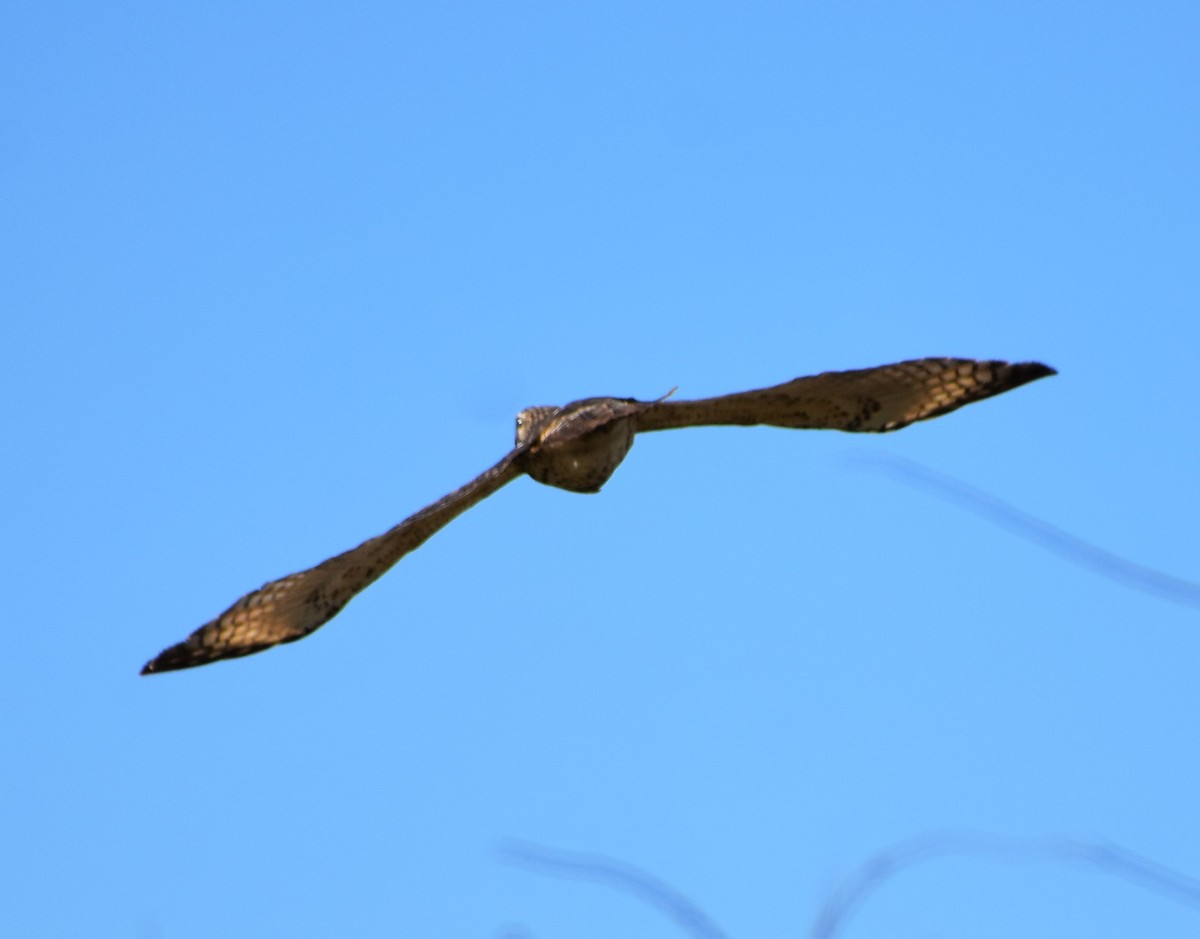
column 276, row 276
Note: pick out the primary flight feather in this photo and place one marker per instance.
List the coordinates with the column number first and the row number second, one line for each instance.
column 578, row 447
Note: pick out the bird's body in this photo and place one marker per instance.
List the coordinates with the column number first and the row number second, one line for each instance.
column 577, row 447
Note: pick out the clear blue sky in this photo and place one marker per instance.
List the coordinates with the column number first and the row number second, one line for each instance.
column 273, row 276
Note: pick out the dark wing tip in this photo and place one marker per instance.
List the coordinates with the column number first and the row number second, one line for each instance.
column 1009, row 375
column 190, row 655
column 1023, row 372
column 178, row 656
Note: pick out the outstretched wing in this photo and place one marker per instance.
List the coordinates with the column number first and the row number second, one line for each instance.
column 294, row 606
column 867, row 399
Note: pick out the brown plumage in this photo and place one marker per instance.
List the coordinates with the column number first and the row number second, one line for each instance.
column 578, row 447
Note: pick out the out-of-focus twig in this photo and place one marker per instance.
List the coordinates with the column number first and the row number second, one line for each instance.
column 1104, row 857
column 617, row 874
column 872, row 874
column 1067, row 546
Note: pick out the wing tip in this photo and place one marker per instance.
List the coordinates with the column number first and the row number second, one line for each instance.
column 172, row 659
column 190, row 654
column 1021, row 373
column 1036, row 369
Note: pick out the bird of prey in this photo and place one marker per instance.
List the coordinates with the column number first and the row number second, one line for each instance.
column 577, row 447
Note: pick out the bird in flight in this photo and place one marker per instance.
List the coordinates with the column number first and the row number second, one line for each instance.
column 578, row 447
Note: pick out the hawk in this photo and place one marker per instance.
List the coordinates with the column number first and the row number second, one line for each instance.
column 578, row 447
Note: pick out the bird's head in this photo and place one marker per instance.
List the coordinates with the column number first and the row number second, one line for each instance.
column 529, row 418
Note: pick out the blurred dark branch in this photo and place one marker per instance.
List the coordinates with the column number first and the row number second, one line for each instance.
column 839, row 909
column 1067, row 546
column 640, row 884
column 1104, row 857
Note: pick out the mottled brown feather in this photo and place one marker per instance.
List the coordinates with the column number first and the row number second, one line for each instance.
column 294, row 606
column 869, row 399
